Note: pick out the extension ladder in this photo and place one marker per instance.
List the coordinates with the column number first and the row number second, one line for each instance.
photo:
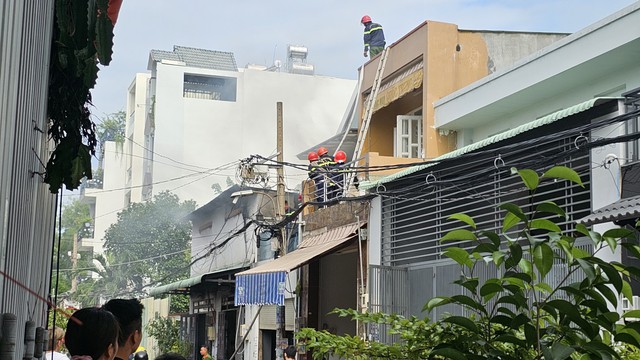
column 368, row 113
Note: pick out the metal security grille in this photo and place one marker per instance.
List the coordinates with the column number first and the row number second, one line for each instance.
column 414, row 220
column 389, row 294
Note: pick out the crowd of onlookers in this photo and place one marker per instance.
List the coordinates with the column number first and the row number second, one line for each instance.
column 113, row 331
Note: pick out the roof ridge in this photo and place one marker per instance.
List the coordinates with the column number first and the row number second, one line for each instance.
column 175, row 47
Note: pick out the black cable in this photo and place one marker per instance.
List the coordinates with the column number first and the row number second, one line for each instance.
column 209, row 172
column 535, row 162
column 475, row 156
column 209, row 251
column 59, row 223
column 154, row 161
column 166, row 157
column 520, row 145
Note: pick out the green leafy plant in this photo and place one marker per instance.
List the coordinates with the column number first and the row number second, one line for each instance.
column 156, row 231
column 521, row 306
column 416, row 339
column 628, row 352
column 82, row 38
column 112, row 128
column 179, row 304
column 76, row 224
column 166, row 331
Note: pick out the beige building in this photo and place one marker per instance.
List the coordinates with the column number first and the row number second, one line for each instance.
column 433, row 60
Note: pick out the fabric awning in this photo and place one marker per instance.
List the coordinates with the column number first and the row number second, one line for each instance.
column 265, row 284
column 399, row 86
column 623, row 209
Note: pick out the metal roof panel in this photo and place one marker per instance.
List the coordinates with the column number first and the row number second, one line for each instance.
column 545, row 120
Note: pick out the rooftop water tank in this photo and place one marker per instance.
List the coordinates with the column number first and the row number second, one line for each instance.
column 302, row 68
column 297, row 52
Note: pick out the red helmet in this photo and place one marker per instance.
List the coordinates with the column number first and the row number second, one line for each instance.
column 322, row 150
column 365, row 19
column 340, row 156
column 313, row 156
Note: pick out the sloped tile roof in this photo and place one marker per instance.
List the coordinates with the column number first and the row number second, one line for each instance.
column 622, row 209
column 200, row 58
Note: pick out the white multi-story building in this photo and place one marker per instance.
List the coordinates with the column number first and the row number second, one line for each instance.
column 196, row 114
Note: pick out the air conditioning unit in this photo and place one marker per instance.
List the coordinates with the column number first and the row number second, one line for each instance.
column 630, row 305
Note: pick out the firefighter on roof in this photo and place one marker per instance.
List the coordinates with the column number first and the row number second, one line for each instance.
column 373, row 37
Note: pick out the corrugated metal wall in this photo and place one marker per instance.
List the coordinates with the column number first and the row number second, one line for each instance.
column 27, row 209
column 415, row 221
column 415, row 214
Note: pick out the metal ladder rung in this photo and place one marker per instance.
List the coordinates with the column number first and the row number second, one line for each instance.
column 368, row 113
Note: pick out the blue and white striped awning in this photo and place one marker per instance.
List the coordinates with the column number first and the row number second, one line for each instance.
column 264, row 284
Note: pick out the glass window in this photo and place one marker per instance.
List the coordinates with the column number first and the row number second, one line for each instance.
column 210, row 87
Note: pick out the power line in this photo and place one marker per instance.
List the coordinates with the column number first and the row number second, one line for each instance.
column 555, row 136
column 154, row 161
column 208, row 171
column 166, row 157
column 129, row 262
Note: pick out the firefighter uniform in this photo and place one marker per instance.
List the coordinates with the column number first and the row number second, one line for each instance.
column 374, row 41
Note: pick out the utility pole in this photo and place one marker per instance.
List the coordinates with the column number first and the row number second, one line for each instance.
column 74, row 263
column 281, row 337
column 281, row 185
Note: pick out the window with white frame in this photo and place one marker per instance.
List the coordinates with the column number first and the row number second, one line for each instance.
column 408, row 131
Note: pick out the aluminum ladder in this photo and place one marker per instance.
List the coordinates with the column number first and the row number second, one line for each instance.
column 368, row 113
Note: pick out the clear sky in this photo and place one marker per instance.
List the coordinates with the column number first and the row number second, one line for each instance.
column 258, row 31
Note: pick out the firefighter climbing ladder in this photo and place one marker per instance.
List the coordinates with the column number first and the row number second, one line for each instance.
column 368, row 112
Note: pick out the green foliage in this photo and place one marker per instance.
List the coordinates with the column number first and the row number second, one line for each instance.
column 111, row 282
column 75, row 217
column 82, row 38
column 179, row 304
column 525, row 307
column 112, row 128
column 418, row 339
column 166, row 331
column 628, row 352
column 153, row 240
column 529, row 311
column 61, row 318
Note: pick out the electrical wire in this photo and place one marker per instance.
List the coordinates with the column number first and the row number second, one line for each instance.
column 153, row 160
column 128, row 262
column 210, row 171
column 463, row 157
column 167, row 157
column 204, row 253
column 508, row 150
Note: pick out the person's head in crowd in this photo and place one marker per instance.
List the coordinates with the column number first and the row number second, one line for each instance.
column 290, row 353
column 139, row 355
column 129, row 315
column 56, row 339
column 170, row 356
column 204, row 352
column 92, row 334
